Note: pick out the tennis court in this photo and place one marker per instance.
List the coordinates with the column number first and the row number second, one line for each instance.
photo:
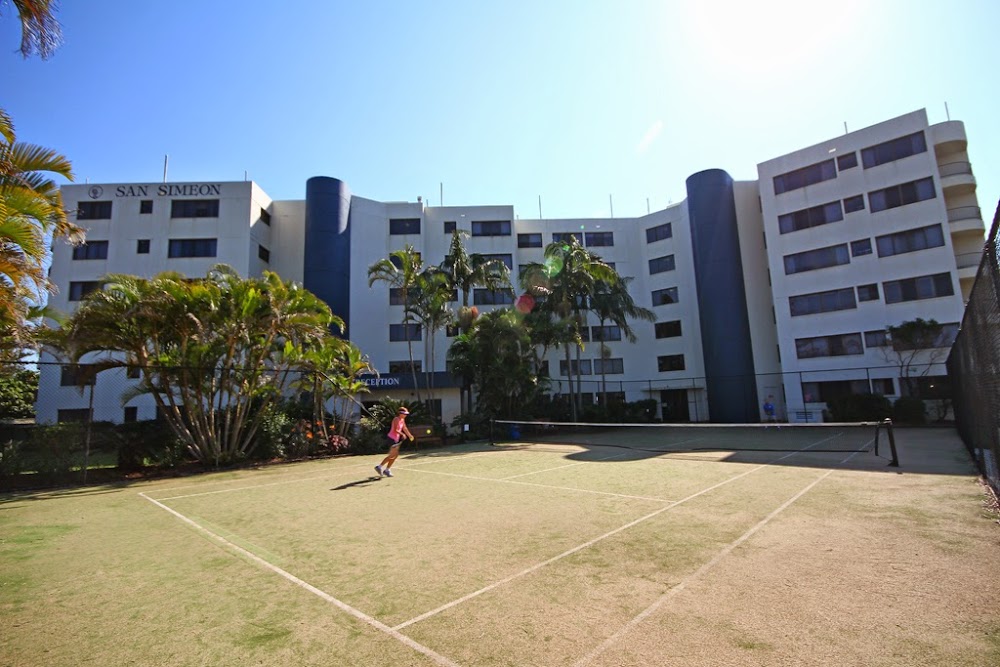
column 523, row 553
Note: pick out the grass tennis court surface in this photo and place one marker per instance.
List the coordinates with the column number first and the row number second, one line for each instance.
column 516, row 555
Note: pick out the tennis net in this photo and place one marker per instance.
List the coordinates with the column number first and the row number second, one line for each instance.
column 670, row 438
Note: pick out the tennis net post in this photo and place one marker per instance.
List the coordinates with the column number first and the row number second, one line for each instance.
column 891, row 436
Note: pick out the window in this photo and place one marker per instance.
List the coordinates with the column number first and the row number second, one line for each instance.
column 396, row 296
column 671, row 329
column 132, row 372
column 822, row 302
column 810, row 217
column 142, row 247
column 485, row 297
column 543, row 369
column 584, row 366
column 194, row 208
column 831, row 390
column 847, row 161
column 901, row 195
column 911, row 240
column 615, row 366
column 263, row 253
column 800, row 178
column 891, row 151
column 529, row 240
column 405, row 366
column 449, row 226
column 855, row 203
column 599, row 239
column 659, row 233
column 662, row 297
column 76, row 375
column 811, row 260
column 921, row 287
column 93, row 210
column 861, row 247
column 91, row 250
column 404, row 226
column 192, row 248
column 564, row 237
column 73, row 415
column 929, row 387
column 606, row 333
column 945, row 338
column 661, row 264
column 670, row 362
column 131, row 414
column 614, row 398
column 398, row 333
column 398, row 263
column 265, row 217
column 78, row 290
column 876, row 338
column 145, row 207
column 508, row 260
column 452, row 330
column 868, row 292
column 883, row 386
column 491, row 227
column 838, row 345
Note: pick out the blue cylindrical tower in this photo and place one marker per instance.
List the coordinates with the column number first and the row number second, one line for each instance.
column 722, row 302
column 327, row 256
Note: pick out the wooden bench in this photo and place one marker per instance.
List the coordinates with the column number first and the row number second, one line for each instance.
column 425, row 434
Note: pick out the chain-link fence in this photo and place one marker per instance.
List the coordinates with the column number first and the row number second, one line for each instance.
column 974, row 364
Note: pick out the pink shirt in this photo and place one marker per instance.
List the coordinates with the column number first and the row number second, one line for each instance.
column 396, row 430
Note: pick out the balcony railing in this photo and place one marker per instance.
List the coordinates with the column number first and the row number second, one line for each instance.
column 955, row 168
column 964, row 213
column 966, row 260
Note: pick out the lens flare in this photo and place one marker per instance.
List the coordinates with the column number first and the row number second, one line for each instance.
column 553, row 265
column 525, row 303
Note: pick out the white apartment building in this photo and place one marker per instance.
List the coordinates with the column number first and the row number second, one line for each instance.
column 780, row 286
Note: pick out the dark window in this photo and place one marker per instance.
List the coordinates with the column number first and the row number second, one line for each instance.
column 811, row 260
column 73, row 415
column 194, row 208
column 145, row 206
column 192, row 248
column 883, row 386
column 891, row 151
column 800, row 178
column 485, row 297
column 662, row 297
column 132, row 372
column 565, row 237
column 901, row 195
column 661, row 264
column 265, row 217
column 142, row 247
column 606, row 333
column 585, row 334
column 398, row 263
column 832, row 390
column 876, row 338
column 861, row 247
column 670, row 329
column 449, row 226
column 838, row 345
column 945, row 338
column 404, row 226
column 76, row 375
column 810, row 217
column 405, row 366
column 452, row 330
column 131, row 414
column 613, row 366
column 855, row 203
column 91, row 250
column 660, row 232
column 396, row 296
column 398, row 333
column 93, row 210
column 263, row 253
column 529, row 240
column 911, row 240
column 543, row 369
column 508, row 260
column 584, row 367
column 670, row 362
column 847, row 161
column 868, row 292
column 916, row 289
column 598, row 239
column 822, row 302
column 491, row 227
column 78, row 290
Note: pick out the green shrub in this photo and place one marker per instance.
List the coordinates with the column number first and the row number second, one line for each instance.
column 860, row 407
column 147, row 443
column 11, row 462
column 909, row 410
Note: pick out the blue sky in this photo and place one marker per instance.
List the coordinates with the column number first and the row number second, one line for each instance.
column 502, row 103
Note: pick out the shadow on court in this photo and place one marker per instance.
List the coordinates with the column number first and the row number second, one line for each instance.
column 360, row 482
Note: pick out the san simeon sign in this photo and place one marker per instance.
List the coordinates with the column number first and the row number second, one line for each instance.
column 163, row 190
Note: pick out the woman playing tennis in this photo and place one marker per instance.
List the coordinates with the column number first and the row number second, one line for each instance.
column 396, row 433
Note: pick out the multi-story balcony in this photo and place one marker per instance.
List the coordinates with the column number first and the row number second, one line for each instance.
column 957, row 178
column 965, row 219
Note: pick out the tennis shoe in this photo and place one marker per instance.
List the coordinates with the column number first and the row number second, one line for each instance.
column 387, row 472
column 378, row 469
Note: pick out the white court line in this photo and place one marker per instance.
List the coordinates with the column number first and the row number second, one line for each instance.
column 606, row 644
column 594, row 541
column 568, row 465
column 382, row 627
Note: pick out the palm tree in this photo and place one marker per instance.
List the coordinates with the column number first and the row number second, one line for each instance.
column 400, row 271
column 430, row 301
column 40, row 32
column 612, row 301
